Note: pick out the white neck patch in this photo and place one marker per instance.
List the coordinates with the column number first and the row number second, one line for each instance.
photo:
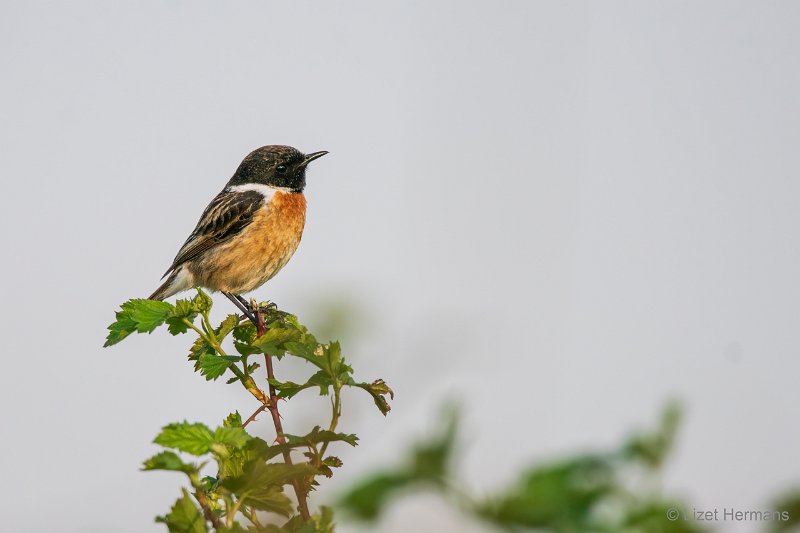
column 267, row 191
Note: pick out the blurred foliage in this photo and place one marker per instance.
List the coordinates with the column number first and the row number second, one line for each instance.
column 788, row 507
column 611, row 491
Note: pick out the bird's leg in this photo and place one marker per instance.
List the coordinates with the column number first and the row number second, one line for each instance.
column 268, row 309
column 244, row 302
column 241, row 304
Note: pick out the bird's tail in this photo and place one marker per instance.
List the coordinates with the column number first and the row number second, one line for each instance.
column 179, row 280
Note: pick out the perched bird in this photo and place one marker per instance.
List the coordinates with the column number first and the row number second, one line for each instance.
column 249, row 231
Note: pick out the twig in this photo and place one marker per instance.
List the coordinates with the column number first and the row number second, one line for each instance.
column 203, row 501
column 276, row 419
column 254, row 415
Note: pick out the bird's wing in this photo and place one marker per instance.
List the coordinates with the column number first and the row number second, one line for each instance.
column 227, row 215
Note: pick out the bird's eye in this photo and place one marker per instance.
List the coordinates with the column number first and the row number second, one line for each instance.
column 280, row 169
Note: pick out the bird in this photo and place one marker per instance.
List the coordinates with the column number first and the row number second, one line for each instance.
column 249, row 231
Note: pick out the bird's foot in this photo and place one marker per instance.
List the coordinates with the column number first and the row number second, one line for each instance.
column 269, row 310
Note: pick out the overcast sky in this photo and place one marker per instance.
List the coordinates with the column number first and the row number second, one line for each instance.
column 563, row 214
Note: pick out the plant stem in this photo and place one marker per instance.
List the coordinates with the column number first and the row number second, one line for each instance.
column 336, row 410
column 276, row 420
column 200, row 494
column 246, row 381
column 252, row 417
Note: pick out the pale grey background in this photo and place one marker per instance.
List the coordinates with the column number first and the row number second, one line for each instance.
column 561, row 213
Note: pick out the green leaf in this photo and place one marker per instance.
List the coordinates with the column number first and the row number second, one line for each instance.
column 198, row 349
column 559, row 497
column 245, row 332
column 431, row 459
column 195, row 439
column 138, row 315
column 260, row 485
column 213, row 366
column 328, row 464
column 232, row 460
column 120, row 329
column 233, row 420
column 787, row 507
column 184, row 309
column 321, row 522
column 184, row 517
column 378, row 389
column 653, row 448
column 226, row 326
column 274, row 339
column 288, row 389
column 231, row 436
column 148, row 314
column 245, row 349
column 270, row 499
column 202, row 302
column 168, row 461
column 368, row 499
column 260, row 474
column 315, row 436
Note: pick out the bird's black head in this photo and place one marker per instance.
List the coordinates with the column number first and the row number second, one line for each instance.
column 275, row 165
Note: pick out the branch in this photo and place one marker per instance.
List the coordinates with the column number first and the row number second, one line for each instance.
column 252, row 417
column 200, row 495
column 276, row 419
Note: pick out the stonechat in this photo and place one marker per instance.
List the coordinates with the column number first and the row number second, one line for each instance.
column 249, row 231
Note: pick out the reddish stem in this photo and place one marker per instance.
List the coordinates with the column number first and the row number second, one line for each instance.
column 276, row 420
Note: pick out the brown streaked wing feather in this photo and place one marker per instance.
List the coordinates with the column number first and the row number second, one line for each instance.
column 227, row 215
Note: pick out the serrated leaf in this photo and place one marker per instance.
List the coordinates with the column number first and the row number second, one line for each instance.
column 260, row 474
column 148, row 314
column 120, row 329
column 190, row 438
column 288, row 389
column 184, row 517
column 232, row 436
column 137, row 315
column 226, row 326
column 200, row 347
column 270, row 499
column 260, row 484
column 184, row 309
column 328, row 463
column 231, row 464
column 202, row 302
column 213, row 366
column 245, row 349
column 233, row 420
column 315, row 436
column 245, row 332
column 274, row 339
column 321, row 522
column 378, row 389
column 168, row 461
column 333, row 461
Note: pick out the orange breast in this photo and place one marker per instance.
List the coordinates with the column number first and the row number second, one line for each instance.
column 260, row 251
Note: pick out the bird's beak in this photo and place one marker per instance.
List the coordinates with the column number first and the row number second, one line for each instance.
column 310, row 157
